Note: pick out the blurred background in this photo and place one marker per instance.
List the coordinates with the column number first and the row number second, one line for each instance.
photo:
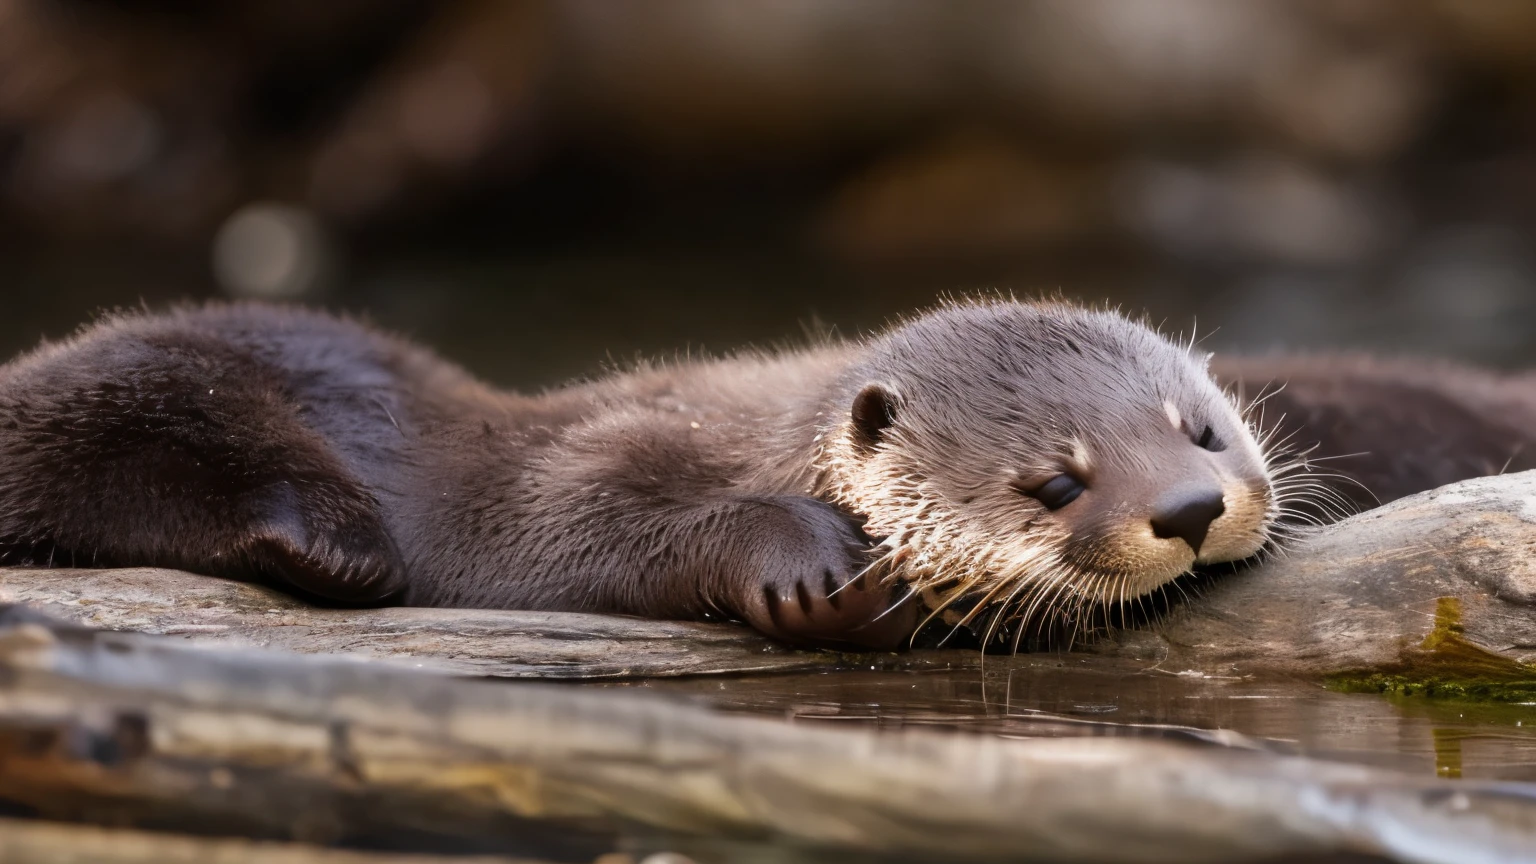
column 533, row 186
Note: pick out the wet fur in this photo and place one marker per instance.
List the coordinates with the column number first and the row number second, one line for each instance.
column 352, row 467
column 989, row 391
column 322, row 456
column 1377, row 429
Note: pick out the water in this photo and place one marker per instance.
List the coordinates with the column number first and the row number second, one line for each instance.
column 1064, row 695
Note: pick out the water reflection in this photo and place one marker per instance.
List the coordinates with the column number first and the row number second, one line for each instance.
column 1060, row 696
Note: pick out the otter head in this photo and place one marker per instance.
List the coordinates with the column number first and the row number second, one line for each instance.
column 1043, row 456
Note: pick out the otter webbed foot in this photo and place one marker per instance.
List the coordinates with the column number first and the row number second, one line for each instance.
column 807, row 583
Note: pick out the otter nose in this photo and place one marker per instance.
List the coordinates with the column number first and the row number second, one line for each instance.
column 1187, row 514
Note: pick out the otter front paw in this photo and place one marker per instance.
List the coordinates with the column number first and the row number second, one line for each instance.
column 808, row 584
column 326, row 542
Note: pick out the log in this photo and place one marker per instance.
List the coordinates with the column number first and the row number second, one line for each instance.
column 38, row 842
column 1436, row 591
column 499, row 643
column 131, row 730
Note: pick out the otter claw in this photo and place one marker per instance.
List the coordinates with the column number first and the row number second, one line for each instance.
column 811, row 588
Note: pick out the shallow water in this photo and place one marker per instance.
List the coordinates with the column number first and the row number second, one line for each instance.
column 1065, row 695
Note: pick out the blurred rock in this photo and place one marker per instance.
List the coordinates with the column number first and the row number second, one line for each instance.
column 432, row 116
column 968, row 194
column 1205, row 140
column 270, row 251
column 755, row 79
column 1469, row 289
column 1259, row 207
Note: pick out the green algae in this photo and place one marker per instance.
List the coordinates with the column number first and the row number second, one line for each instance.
column 1446, row 665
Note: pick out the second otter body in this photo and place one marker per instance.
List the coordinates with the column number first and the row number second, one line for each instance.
column 1032, row 455
column 1378, row 429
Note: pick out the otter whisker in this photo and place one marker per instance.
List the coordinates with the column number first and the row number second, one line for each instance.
column 1034, row 598
column 1258, row 401
column 1078, row 614
column 1187, row 594
column 1047, row 600
column 859, row 576
column 1320, row 495
column 1012, row 587
column 1354, row 455
column 998, row 619
column 1311, row 486
column 955, row 594
column 1008, row 610
column 1019, row 576
column 911, row 593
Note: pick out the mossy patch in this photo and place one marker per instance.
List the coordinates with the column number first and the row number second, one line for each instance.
column 1446, row 665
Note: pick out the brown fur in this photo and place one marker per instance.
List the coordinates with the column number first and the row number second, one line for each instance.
column 352, row 467
column 1378, row 429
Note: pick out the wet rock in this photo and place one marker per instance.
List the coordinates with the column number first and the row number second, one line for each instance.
column 262, row 744
column 1437, row 589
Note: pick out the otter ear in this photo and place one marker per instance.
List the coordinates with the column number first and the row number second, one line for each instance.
column 874, row 410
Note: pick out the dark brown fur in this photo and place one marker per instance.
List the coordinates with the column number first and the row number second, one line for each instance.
column 346, row 465
column 352, row 467
column 1391, row 427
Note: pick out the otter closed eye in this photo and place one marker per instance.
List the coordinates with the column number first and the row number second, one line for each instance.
column 1209, row 441
column 1055, row 492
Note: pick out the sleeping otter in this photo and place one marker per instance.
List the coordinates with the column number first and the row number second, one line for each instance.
column 1038, row 456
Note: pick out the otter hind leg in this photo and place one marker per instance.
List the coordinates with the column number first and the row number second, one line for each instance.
column 806, row 580
column 180, row 451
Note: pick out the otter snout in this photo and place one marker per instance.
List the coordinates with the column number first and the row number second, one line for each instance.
column 1187, row 513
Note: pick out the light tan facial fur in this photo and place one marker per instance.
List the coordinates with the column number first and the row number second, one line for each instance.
column 962, row 419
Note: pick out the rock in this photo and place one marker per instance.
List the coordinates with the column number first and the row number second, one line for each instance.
column 216, row 612
column 38, row 842
column 1434, row 590
column 135, row 729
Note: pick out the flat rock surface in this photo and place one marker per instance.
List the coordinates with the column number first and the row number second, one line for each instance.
column 1377, row 591
column 1381, row 591
column 142, row 730
column 219, row 612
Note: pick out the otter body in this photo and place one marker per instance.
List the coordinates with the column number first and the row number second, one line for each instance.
column 1380, row 429
column 1030, row 455
column 345, row 465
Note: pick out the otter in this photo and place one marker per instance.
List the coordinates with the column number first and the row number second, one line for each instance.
column 1371, row 430
column 1036, row 457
